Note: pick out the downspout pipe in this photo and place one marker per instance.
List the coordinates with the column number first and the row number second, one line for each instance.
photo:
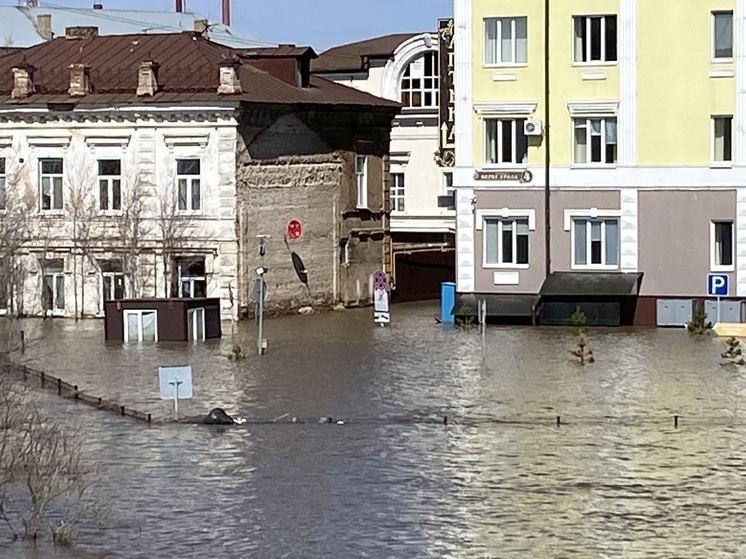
column 547, row 151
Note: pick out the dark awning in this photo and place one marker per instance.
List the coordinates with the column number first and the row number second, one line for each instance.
column 497, row 305
column 596, row 284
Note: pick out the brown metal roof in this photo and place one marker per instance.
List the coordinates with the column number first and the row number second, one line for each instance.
column 351, row 57
column 188, row 72
column 282, row 51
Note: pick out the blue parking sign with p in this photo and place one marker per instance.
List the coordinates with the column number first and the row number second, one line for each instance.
column 717, row 285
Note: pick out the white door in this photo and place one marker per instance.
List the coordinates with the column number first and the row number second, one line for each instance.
column 196, row 318
column 140, row 326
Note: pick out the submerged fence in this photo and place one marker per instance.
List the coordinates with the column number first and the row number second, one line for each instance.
column 64, row 389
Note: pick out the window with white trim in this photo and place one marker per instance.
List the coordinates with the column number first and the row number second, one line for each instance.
column 396, row 189
column 722, row 246
column 506, row 241
column 112, row 280
column 505, row 141
column 595, row 140
column 110, row 185
column 595, row 243
column 419, row 83
column 53, row 286
column 361, row 180
column 3, row 192
column 505, row 41
column 188, row 184
column 50, row 185
column 722, row 35
column 595, row 39
column 140, row 325
column 191, row 277
column 722, row 139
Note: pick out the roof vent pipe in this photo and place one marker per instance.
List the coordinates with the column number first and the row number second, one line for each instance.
column 179, row 6
column 226, row 12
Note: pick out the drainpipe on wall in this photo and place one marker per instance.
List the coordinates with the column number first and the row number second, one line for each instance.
column 547, row 152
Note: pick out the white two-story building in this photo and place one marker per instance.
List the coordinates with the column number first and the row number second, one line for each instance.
column 408, row 68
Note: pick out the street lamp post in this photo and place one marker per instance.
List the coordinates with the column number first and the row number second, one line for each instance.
column 261, row 270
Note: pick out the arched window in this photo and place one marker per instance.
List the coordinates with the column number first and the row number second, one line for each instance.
column 419, row 84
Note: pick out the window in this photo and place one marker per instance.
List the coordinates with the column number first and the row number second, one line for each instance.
column 595, row 39
column 140, row 326
column 196, row 318
column 506, row 142
column 721, row 233
column 722, row 134
column 595, row 141
column 505, row 41
column 188, row 184
column 51, row 185
column 110, row 185
column 419, row 84
column 595, row 243
column 722, row 35
column 112, row 280
column 506, row 241
column 53, row 286
column 191, row 277
column 448, row 183
column 3, row 193
column 397, row 192
column 361, row 180
column 344, row 252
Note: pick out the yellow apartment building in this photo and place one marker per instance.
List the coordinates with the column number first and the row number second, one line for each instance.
column 600, row 158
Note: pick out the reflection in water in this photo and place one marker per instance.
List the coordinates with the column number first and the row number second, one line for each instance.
column 500, row 480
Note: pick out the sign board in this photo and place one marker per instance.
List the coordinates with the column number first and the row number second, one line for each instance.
column 294, row 229
column 380, row 299
column 717, row 285
column 380, row 281
column 446, row 157
column 257, row 291
column 175, row 382
column 520, row 176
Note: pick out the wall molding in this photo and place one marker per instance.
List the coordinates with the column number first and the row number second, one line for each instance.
column 590, row 213
column 507, row 108
column 505, row 213
column 405, row 53
column 593, row 108
column 629, row 230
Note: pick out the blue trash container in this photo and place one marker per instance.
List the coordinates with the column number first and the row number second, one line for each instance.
column 447, row 301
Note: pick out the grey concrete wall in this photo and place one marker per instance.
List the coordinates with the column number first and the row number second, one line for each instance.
column 530, row 279
column 674, row 238
column 562, row 200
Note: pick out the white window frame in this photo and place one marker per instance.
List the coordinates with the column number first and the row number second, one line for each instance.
column 434, row 90
column 139, row 313
column 344, row 252
column 112, row 279
column 592, row 214
column 588, row 134
column 397, row 192
column 52, row 176
column 361, row 182
column 587, row 46
column 190, row 180
column 501, row 265
column 714, row 266
column 192, row 319
column 498, row 21
column 516, row 129
column 713, row 17
column 725, row 162
column 506, row 214
column 189, row 279
column 109, row 180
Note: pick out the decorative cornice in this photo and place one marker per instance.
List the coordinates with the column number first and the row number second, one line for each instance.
column 593, row 108
column 48, row 141
column 108, row 141
column 505, row 213
column 527, row 108
column 200, row 140
column 114, row 117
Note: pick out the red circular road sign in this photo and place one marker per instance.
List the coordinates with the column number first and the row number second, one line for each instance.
column 294, row 229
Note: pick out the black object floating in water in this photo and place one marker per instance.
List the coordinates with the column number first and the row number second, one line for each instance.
column 218, row 417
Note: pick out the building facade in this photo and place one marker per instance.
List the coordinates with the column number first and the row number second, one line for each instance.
column 590, row 170
column 408, row 68
column 140, row 166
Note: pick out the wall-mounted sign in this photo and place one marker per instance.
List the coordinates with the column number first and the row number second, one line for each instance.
column 520, row 176
column 294, row 229
column 445, row 157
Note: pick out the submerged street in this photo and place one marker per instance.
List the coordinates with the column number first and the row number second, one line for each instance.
column 499, row 480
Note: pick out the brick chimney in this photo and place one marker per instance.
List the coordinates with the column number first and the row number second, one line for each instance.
column 23, row 81
column 147, row 78
column 81, row 32
column 80, row 83
column 44, row 26
column 230, row 79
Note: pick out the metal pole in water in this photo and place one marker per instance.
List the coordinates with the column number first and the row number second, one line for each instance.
column 260, row 311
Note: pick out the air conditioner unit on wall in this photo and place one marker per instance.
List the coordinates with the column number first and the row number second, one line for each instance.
column 532, row 128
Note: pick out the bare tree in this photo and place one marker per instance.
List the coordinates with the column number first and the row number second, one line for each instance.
column 132, row 230
column 173, row 227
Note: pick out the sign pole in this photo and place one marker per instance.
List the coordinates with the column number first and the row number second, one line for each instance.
column 260, row 311
column 718, row 311
column 176, row 384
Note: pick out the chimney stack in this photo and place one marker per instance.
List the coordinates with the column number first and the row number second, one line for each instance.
column 179, row 6
column 230, row 80
column 23, row 81
column 226, row 12
column 147, row 78
column 80, row 83
column 98, row 6
column 44, row 26
column 81, row 32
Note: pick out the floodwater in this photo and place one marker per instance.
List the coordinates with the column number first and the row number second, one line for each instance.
column 500, row 480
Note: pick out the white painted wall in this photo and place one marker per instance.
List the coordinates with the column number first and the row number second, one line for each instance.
column 147, row 148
